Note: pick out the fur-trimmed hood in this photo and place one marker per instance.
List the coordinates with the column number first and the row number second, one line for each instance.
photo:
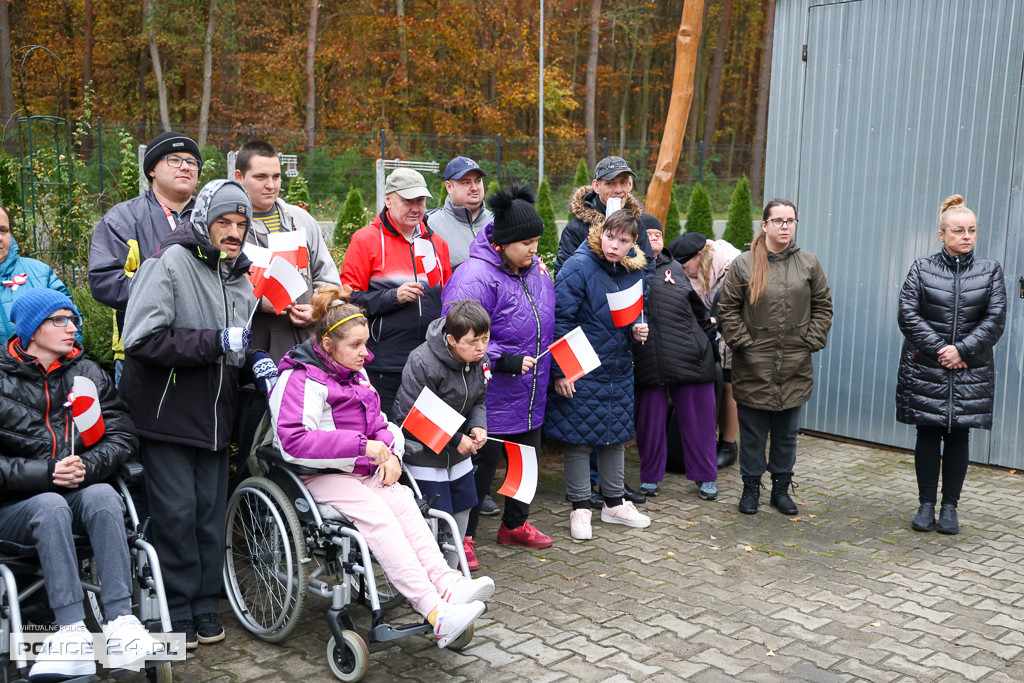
column 634, row 260
column 586, row 206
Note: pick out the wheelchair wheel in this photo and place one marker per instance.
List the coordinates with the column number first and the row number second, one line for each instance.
column 93, row 609
column 462, row 642
column 349, row 660
column 265, row 560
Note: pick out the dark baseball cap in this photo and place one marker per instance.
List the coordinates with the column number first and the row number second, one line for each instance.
column 610, row 167
column 460, row 166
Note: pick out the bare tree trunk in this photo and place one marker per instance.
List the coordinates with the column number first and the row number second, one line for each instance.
column 715, row 91
column 403, row 58
column 87, row 56
column 314, row 8
column 757, row 165
column 591, row 85
column 148, row 14
column 7, row 81
column 687, row 45
column 204, row 107
column 626, row 94
column 645, row 89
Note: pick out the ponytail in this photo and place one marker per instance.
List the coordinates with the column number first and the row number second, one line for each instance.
column 333, row 314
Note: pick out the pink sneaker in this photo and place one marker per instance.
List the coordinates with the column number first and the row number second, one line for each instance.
column 469, row 546
column 625, row 514
column 525, row 535
column 579, row 524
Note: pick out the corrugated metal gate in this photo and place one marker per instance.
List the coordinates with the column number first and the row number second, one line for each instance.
column 898, row 105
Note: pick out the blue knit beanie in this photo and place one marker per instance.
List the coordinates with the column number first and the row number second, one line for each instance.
column 30, row 309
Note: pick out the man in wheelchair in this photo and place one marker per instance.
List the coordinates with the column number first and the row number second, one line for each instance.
column 53, row 484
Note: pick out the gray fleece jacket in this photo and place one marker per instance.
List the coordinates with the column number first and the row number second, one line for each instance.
column 456, row 225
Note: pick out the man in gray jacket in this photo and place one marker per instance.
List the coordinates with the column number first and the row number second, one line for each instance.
column 258, row 168
column 463, row 213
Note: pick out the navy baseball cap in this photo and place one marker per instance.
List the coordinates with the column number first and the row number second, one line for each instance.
column 460, row 166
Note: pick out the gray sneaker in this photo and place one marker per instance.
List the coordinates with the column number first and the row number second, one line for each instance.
column 708, row 490
column 489, row 508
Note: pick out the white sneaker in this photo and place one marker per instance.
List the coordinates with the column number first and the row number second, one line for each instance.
column 452, row 620
column 66, row 653
column 129, row 644
column 579, row 524
column 465, row 591
column 625, row 514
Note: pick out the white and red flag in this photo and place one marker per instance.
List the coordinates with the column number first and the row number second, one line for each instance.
column 291, row 246
column 627, row 305
column 575, row 355
column 281, row 284
column 521, row 479
column 260, row 257
column 432, row 421
column 84, row 401
column 427, row 264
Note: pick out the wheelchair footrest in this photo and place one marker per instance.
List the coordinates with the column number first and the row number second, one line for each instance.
column 383, row 633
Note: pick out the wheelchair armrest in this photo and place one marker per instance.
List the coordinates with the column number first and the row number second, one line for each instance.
column 413, row 447
column 131, row 469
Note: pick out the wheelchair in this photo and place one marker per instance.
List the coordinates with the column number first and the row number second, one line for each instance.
column 281, row 544
column 20, row 564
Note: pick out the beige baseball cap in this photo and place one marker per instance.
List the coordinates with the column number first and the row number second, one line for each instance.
column 409, row 184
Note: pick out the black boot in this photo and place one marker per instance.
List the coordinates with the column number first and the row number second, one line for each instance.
column 780, row 494
column 948, row 523
column 751, row 495
column 727, row 452
column 924, row 520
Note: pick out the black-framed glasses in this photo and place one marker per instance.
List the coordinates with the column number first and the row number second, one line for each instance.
column 63, row 320
column 175, row 161
column 779, row 222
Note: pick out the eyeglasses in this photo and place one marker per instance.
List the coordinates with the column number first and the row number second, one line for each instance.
column 779, row 222
column 63, row 320
column 959, row 232
column 174, row 161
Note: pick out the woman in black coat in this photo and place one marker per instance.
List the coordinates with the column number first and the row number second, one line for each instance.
column 952, row 311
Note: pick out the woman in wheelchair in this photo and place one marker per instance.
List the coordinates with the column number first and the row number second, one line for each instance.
column 328, row 416
column 48, row 493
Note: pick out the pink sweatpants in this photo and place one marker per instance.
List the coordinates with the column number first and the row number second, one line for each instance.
column 394, row 528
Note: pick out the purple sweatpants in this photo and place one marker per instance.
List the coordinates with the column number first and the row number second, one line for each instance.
column 695, row 414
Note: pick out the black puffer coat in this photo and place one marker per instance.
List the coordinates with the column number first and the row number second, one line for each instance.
column 35, row 426
column 949, row 300
column 680, row 348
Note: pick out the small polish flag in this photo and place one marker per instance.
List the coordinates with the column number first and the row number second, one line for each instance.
column 426, row 261
column 521, row 479
column 575, row 355
column 260, row 257
column 84, row 400
column 291, row 246
column 281, row 284
column 627, row 305
column 432, row 421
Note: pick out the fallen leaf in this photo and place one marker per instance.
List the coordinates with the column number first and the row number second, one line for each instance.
column 670, row 553
column 543, row 559
column 748, row 549
column 1013, row 471
column 876, row 623
column 812, row 516
column 770, row 654
column 716, row 547
column 602, row 576
column 713, row 538
column 691, row 523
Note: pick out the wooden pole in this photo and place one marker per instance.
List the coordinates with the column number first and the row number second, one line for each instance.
column 687, row 43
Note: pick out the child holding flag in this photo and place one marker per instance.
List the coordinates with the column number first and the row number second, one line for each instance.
column 452, row 364
column 600, row 289
column 326, row 415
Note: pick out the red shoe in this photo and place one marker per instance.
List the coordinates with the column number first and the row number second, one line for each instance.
column 469, row 546
column 525, row 535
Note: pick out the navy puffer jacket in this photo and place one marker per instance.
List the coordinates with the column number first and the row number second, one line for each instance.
column 681, row 346
column 522, row 310
column 601, row 411
column 958, row 300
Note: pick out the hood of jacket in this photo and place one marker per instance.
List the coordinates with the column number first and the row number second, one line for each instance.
column 634, row 260
column 588, row 207
column 8, row 264
column 195, row 235
column 438, row 346
column 310, row 355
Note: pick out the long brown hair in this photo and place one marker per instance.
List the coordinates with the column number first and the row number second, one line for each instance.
column 331, row 306
column 759, row 267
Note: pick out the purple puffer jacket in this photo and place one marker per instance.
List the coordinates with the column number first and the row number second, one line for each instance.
column 522, row 309
column 323, row 417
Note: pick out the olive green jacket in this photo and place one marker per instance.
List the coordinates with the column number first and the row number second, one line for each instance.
column 772, row 341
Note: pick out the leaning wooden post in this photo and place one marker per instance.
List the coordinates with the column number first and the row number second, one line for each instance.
column 687, row 43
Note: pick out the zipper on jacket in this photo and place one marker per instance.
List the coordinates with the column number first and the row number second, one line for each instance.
column 956, row 314
column 167, row 386
column 465, row 385
column 536, row 353
column 46, row 388
column 220, row 364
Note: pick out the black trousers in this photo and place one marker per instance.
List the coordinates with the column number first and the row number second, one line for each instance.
column 486, row 461
column 930, row 456
column 187, row 490
column 387, row 385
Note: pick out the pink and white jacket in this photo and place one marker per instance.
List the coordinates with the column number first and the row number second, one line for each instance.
column 323, row 414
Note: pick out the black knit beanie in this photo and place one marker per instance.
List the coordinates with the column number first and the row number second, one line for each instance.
column 168, row 143
column 515, row 218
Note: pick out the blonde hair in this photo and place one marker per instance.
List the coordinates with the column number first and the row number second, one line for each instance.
column 952, row 205
column 707, row 257
column 331, row 306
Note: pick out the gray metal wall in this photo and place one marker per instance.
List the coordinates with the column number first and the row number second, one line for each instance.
column 898, row 105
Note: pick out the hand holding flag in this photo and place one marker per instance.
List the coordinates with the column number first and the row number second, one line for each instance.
column 574, row 354
column 432, row 421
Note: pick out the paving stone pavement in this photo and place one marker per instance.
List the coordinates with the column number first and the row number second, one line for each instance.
column 846, row 591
